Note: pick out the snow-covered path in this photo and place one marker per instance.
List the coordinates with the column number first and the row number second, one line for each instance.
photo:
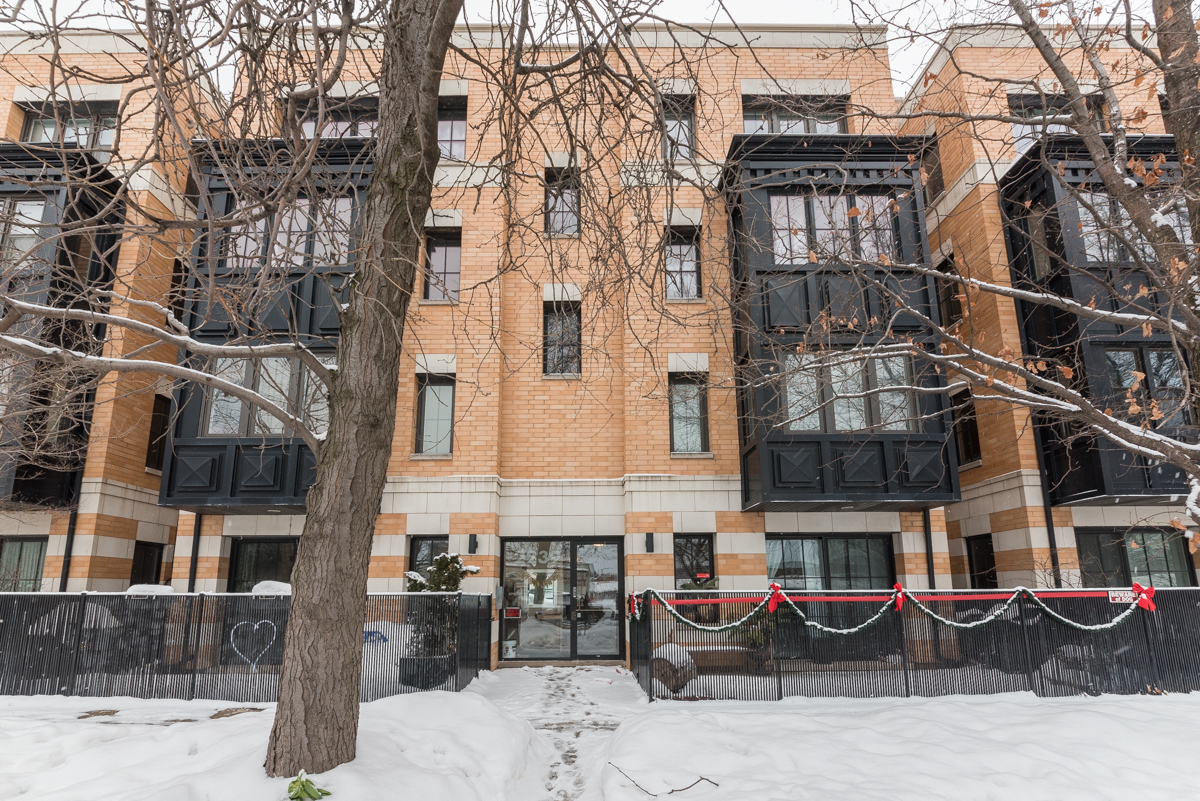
column 577, row 709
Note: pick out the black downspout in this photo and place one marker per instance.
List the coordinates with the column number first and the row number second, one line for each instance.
column 70, row 546
column 195, row 554
column 929, row 549
column 1047, row 507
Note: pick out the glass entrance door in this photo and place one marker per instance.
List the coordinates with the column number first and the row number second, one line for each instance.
column 562, row 600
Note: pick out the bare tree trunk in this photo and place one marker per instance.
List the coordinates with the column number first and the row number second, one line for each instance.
column 316, row 722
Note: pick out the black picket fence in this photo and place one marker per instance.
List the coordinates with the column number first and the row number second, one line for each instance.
column 906, row 653
column 225, row 647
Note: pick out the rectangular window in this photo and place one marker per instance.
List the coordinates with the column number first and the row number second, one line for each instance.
column 1109, row 234
column 830, row 562
column 1156, row 397
column 317, row 232
column 1034, row 109
column 935, row 182
column 97, row 131
column 694, row 565
column 981, row 561
column 562, row 344
column 689, row 413
column 283, row 381
column 1151, row 557
column 679, row 136
column 422, row 550
column 443, row 265
column 435, row 414
column 160, row 422
column 347, row 122
column 683, row 264
column 255, row 560
column 20, row 229
column 790, row 114
column 147, row 563
column 833, row 227
column 966, row 427
column 950, row 294
column 562, row 202
column 21, row 563
column 452, row 127
column 856, row 393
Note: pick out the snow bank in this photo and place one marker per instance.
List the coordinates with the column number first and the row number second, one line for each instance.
column 1000, row 748
column 271, row 588
column 149, row 589
column 432, row 746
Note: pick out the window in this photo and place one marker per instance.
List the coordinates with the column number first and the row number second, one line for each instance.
column 1151, row 557
column 21, row 563
column 255, row 560
column 422, row 550
column 443, row 265
column 832, row 226
column 71, row 127
column 966, row 428
column 689, row 413
column 856, row 392
column 452, row 127
column 1033, row 108
column 830, row 563
column 344, row 123
column 981, row 561
column 562, row 344
column 793, row 115
column 562, row 202
column 435, row 414
column 1109, row 234
column 950, row 294
column 679, row 135
column 1156, row 395
column 160, row 422
column 20, row 223
column 147, row 563
column 283, row 381
column 683, row 264
column 319, row 231
column 935, row 182
column 694, row 566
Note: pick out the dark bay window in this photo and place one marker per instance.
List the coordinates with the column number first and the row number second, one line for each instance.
column 950, row 294
column 307, row 231
column 266, row 559
column 452, row 127
column 20, row 221
column 683, row 264
column 679, row 135
column 689, row 413
column 825, row 394
column 966, row 427
column 435, row 414
column 1034, row 109
column 562, row 202
column 147, row 563
column 283, row 381
column 422, row 550
column 1147, row 384
column 160, row 423
column 1109, row 234
column 833, row 227
column 981, row 562
column 695, row 568
column 562, row 344
column 71, row 127
column 443, row 265
column 343, row 123
column 21, row 561
column 803, row 562
column 1151, row 557
column 791, row 114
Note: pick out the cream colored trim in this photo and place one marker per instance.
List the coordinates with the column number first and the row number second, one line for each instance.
column 67, row 93
column 677, row 86
column 655, row 173
column 437, row 363
column 559, row 159
column 450, row 174
column 443, row 218
column 683, row 217
column 14, row 43
column 558, row 293
column 687, row 362
column 452, row 88
column 796, row 86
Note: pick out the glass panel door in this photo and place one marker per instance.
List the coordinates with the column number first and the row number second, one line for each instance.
column 537, row 595
column 598, row 611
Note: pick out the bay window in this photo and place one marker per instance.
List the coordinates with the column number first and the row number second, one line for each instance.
column 825, row 393
column 1156, row 394
column 833, row 227
column 281, row 380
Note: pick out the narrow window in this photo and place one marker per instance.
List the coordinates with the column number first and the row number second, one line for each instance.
column 315, row 398
column 859, row 563
column 147, row 563
column 949, row 301
column 875, row 222
column 689, row 413
column 694, row 565
column 802, row 390
column 562, row 202
column 160, row 421
column 679, row 136
column 562, row 345
column 1167, row 389
column 897, row 408
column 443, row 263
column 435, row 414
column 21, row 562
column 966, row 428
column 422, row 550
column 255, row 560
column 20, row 224
column 796, row 563
column 683, row 264
column 935, row 183
column 275, row 380
column 1101, row 559
column 789, row 228
column 452, row 127
column 224, row 416
column 981, row 562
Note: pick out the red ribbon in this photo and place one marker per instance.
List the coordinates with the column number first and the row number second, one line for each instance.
column 776, row 598
column 1145, row 597
column 632, row 605
column 899, row 596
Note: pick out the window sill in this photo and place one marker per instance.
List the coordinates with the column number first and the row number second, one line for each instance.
column 562, row 376
column 562, row 236
column 430, row 457
column 689, row 455
column 153, row 471
column 971, row 465
column 435, row 302
column 687, row 300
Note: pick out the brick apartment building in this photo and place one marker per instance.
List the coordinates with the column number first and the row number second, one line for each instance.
column 578, row 435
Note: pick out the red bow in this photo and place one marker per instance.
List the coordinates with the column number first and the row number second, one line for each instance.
column 776, row 598
column 632, row 605
column 899, row 596
column 1145, row 596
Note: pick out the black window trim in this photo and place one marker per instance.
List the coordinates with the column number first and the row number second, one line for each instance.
column 699, row 380
column 806, row 106
column 824, row 538
column 965, row 419
column 973, row 570
column 159, row 433
column 561, row 307
column 1121, row 533
column 414, row 541
column 680, row 109
column 95, row 111
column 684, row 235
column 558, row 179
column 235, row 555
column 445, row 237
column 425, row 380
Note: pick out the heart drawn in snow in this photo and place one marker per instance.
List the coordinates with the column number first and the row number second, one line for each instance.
column 252, row 637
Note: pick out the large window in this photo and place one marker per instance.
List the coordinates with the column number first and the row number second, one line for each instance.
column 950, row 294
column 679, row 136
column 981, row 562
column 804, row 562
column 562, row 344
column 255, row 560
column 21, row 564
column 1034, row 109
column 793, row 115
column 443, row 265
column 343, row 123
column 689, row 413
column 160, row 422
column 317, row 232
column 827, row 227
column 1151, row 557
column 966, row 428
column 422, row 550
column 683, row 264
column 1110, row 236
column 435, row 414
column 20, row 221
column 91, row 130
column 452, row 127
column 147, row 563
column 694, row 565
column 828, row 394
column 562, row 202
column 283, row 381
column 1155, row 395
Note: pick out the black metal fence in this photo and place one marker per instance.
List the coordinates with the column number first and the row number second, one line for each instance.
column 225, row 647
column 906, row 653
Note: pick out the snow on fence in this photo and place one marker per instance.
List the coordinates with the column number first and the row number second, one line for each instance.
column 907, row 652
column 225, row 647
